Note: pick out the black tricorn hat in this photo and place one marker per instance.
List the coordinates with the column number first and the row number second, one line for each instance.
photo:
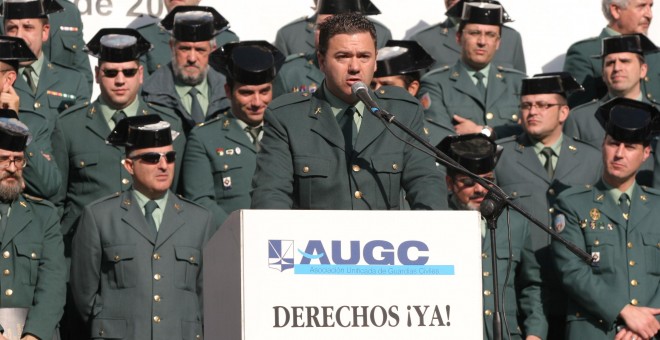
column 554, row 82
column 22, row 9
column 633, row 43
column 14, row 135
column 248, row 62
column 628, row 120
column 474, row 151
column 365, row 7
column 118, row 45
column 484, row 13
column 400, row 57
column 194, row 23
column 14, row 49
column 143, row 131
column 456, row 11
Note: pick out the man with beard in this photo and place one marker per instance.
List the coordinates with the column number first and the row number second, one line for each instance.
column 186, row 85
column 34, row 270
column 616, row 221
column 522, row 306
column 137, row 266
column 327, row 151
column 539, row 164
column 224, row 151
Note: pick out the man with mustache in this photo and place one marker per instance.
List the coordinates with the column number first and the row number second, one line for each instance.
column 474, row 94
column 542, row 162
column 623, row 17
column 186, row 85
column 34, row 269
column 522, row 306
column 616, row 221
column 327, row 151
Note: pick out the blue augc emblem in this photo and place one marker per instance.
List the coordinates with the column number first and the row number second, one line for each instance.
column 280, row 254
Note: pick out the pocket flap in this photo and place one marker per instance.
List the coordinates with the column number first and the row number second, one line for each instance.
column 31, row 250
column 188, row 254
column 84, row 160
column 390, row 163
column 310, row 166
column 119, row 252
column 650, row 239
column 108, row 329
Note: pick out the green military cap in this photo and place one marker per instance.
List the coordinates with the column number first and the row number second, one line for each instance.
column 364, row 7
column 633, row 43
column 144, row 131
column 474, row 151
column 24, row 9
column 554, row 82
column 14, row 135
column 456, row 10
column 484, row 13
column 118, row 45
column 401, row 57
column 194, row 23
column 628, row 120
column 248, row 62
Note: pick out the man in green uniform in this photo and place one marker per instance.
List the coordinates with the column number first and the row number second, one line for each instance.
column 297, row 37
column 519, row 267
column 44, row 86
column 401, row 63
column 90, row 167
column 623, row 17
column 136, row 267
column 300, row 72
column 542, row 162
column 157, row 35
column 187, row 85
column 440, row 40
column 224, row 150
column 616, row 222
column 42, row 178
column 473, row 95
column 34, row 280
column 327, row 151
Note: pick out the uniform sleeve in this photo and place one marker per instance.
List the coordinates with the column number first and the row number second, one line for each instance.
column 86, row 265
column 61, row 155
column 81, row 62
column 571, row 128
column 50, row 291
column 430, row 95
column 519, row 54
column 279, row 85
column 273, row 179
column 578, row 280
column 209, row 230
column 281, row 44
column 578, row 65
column 198, row 178
column 42, row 177
column 528, row 283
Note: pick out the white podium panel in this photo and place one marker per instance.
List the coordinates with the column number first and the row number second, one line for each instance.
column 296, row 274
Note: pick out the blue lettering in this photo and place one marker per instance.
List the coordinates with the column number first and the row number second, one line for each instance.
column 354, row 253
column 386, row 255
column 403, row 253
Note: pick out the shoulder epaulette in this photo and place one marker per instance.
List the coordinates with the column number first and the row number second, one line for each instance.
column 213, row 120
column 395, row 92
column 294, row 56
column 143, row 20
column 507, row 140
column 650, row 190
column 74, row 108
column 590, row 39
column 32, row 198
column 577, row 189
column 301, row 19
column 289, row 98
column 511, row 70
column 440, row 69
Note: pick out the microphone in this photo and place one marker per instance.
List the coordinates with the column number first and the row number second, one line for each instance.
column 361, row 91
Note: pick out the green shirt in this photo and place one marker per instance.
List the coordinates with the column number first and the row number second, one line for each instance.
column 203, row 95
column 36, row 66
column 616, row 193
column 158, row 213
column 556, row 148
column 483, row 71
column 338, row 106
column 244, row 125
column 108, row 112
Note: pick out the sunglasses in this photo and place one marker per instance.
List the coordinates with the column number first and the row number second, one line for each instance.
column 128, row 72
column 469, row 182
column 154, row 157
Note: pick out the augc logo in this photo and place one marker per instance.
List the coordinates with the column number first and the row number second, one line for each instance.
column 280, row 254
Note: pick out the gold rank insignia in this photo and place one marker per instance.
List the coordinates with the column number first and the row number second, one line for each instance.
column 594, row 214
column 127, row 202
column 572, row 148
column 642, row 197
column 626, row 216
column 22, row 203
column 317, row 111
column 455, row 74
column 177, row 206
column 498, row 76
column 583, row 223
column 445, row 30
column 225, row 124
column 599, row 198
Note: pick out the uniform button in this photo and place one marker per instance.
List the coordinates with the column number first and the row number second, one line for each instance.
column 31, row 154
column 514, row 194
column 577, row 314
column 484, row 255
column 395, row 166
column 600, row 321
column 9, row 292
column 487, row 312
column 156, row 256
column 358, row 194
column 489, row 115
column 157, row 277
column 649, row 96
column 486, row 274
column 514, row 117
column 33, row 255
column 37, row 105
column 74, row 46
column 198, row 336
column 633, row 302
column 117, row 257
column 192, row 259
column 82, row 163
column 487, row 292
column 631, row 263
column 596, row 243
column 101, row 332
column 124, row 181
column 6, row 254
column 551, row 210
column 551, row 191
column 356, row 167
column 633, row 283
column 157, row 298
column 157, row 319
column 6, row 272
column 305, row 169
column 629, row 245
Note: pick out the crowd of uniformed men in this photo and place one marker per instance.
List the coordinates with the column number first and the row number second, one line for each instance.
column 106, row 203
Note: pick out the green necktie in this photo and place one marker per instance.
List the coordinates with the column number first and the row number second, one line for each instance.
column 254, row 133
column 148, row 214
column 548, row 153
column 348, row 128
column 480, row 84
column 4, row 218
column 118, row 116
column 624, row 205
column 27, row 73
column 196, row 111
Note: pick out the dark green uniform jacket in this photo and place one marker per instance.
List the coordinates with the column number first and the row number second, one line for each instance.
column 130, row 283
column 303, row 164
column 220, row 153
column 628, row 267
column 299, row 73
column 42, row 177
